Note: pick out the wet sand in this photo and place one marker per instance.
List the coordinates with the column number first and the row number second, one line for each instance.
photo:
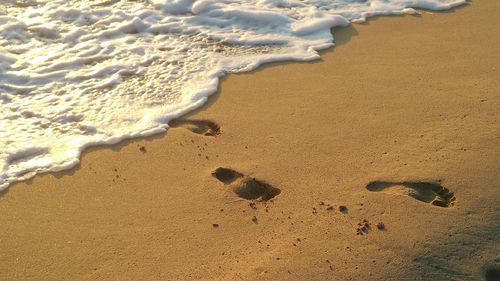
column 379, row 162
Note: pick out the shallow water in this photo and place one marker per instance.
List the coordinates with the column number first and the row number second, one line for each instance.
column 80, row 73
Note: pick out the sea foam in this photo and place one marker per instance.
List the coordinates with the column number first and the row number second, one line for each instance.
column 77, row 73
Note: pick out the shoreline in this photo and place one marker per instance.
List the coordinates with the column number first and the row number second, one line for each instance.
column 129, row 213
column 157, row 131
column 347, row 32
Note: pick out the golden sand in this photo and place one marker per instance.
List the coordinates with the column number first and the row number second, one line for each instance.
column 404, row 112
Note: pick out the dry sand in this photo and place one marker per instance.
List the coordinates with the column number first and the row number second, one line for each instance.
column 399, row 100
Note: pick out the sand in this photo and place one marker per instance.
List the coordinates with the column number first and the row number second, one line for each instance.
column 402, row 112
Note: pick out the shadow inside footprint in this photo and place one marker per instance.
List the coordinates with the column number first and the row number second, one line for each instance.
column 428, row 192
column 244, row 186
column 201, row 127
column 492, row 274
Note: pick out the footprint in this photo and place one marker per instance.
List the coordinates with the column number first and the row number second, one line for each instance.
column 201, row 127
column 427, row 192
column 244, row 186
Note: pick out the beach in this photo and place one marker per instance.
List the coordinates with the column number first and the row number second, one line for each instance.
column 357, row 146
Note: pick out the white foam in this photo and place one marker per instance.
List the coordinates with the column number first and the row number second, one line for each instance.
column 77, row 73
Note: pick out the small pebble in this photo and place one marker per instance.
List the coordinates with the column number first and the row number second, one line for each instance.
column 254, row 219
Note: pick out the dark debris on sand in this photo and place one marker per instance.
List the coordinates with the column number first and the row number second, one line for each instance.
column 254, row 219
column 381, row 226
column 363, row 227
